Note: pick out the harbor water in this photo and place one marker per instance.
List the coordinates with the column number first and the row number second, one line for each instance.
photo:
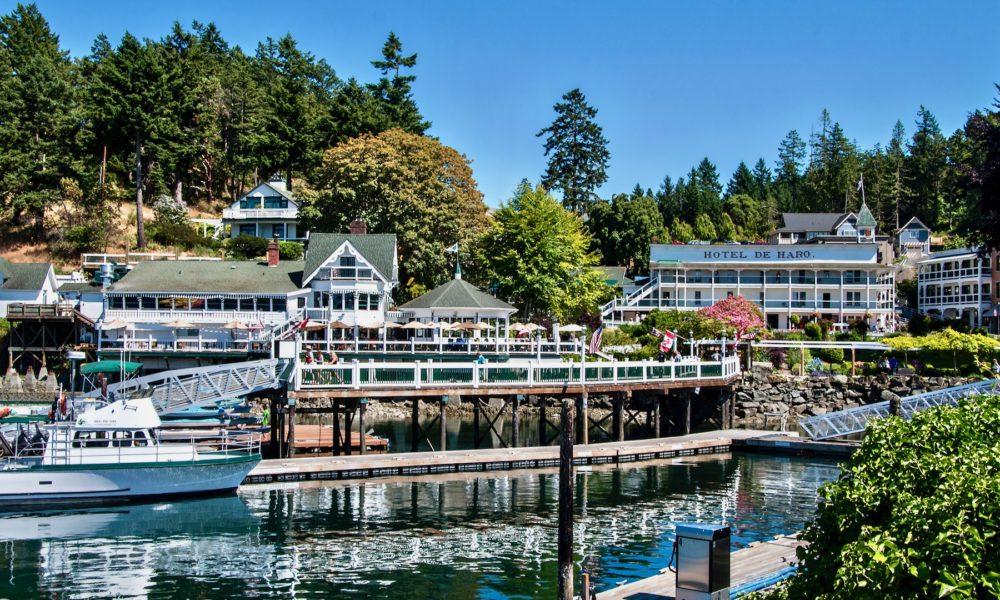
column 464, row 536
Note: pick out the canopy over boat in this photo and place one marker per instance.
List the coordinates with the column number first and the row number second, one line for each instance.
column 110, row 367
column 124, row 414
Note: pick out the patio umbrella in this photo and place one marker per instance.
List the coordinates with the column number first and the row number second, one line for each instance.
column 532, row 327
column 179, row 324
column 116, row 324
column 314, row 326
column 392, row 325
column 517, row 327
column 339, row 325
column 416, row 325
column 443, row 326
column 236, row 324
column 571, row 329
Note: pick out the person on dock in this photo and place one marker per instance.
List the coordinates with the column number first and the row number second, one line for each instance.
column 480, row 359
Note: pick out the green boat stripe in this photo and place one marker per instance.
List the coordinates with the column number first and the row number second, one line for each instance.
column 145, row 465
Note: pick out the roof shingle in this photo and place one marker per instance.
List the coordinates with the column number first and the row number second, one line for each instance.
column 237, row 277
column 379, row 249
column 23, row 276
column 457, row 294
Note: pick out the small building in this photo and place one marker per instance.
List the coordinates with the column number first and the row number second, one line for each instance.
column 87, row 297
column 913, row 239
column 458, row 301
column 26, row 283
column 269, row 211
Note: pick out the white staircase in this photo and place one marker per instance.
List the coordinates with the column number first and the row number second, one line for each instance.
column 628, row 301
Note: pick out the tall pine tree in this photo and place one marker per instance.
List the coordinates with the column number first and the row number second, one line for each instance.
column 394, row 90
column 577, row 150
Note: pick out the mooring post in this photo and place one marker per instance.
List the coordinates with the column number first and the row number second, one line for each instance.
column 584, row 419
column 291, row 427
column 687, row 413
column 565, row 591
column 273, row 422
column 443, row 422
column 854, row 362
column 362, row 406
column 475, row 421
column 337, row 442
column 541, row 421
column 657, row 424
column 515, row 420
column 619, row 418
column 415, row 425
column 661, row 403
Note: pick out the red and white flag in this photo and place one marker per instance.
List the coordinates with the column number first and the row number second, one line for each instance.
column 667, row 343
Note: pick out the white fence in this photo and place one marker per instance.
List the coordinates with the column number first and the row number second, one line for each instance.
column 515, row 373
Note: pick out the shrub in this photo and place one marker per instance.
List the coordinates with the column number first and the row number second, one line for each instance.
column 82, row 238
column 175, row 233
column 813, row 331
column 246, row 246
column 290, row 250
column 914, row 514
column 615, row 336
column 795, row 356
column 830, row 355
column 860, row 327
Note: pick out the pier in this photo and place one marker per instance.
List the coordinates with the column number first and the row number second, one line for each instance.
column 491, row 460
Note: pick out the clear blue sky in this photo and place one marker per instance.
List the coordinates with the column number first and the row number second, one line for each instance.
column 673, row 82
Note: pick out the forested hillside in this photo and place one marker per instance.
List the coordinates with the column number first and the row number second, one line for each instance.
column 189, row 120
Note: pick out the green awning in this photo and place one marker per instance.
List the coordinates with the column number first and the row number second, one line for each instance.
column 109, row 367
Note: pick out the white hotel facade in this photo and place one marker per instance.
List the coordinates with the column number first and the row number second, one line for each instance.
column 960, row 284
column 839, row 278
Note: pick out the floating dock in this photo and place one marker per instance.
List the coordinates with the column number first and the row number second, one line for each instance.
column 759, row 561
column 498, row 459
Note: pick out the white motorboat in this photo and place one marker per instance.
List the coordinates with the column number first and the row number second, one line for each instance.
column 114, row 453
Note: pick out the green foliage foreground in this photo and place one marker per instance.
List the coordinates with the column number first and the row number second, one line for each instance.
column 914, row 514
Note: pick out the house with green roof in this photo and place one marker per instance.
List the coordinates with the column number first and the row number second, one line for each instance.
column 26, row 283
column 269, row 211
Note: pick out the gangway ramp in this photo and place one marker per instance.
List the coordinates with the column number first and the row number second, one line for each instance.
column 854, row 420
column 198, row 386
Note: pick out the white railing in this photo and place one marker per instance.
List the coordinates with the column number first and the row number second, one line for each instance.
column 193, row 316
column 448, row 346
column 95, row 260
column 185, row 345
column 630, row 299
column 260, row 213
column 515, row 373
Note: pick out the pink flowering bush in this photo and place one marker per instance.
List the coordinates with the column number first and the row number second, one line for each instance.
column 737, row 313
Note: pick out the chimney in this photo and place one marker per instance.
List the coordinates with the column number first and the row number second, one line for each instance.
column 273, row 253
column 358, row 227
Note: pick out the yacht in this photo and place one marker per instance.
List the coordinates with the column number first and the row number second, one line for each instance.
column 114, row 453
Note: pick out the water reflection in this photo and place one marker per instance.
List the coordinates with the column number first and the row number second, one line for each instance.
column 466, row 537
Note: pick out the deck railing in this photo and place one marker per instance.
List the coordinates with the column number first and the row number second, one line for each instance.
column 447, row 345
column 514, row 373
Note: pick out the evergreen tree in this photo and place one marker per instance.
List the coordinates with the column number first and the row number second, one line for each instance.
column 623, row 229
column 791, row 160
column 925, row 168
column 298, row 89
column 982, row 223
column 704, row 229
column 395, row 94
column 896, row 155
column 577, row 150
column 726, row 231
column 742, row 182
column 681, row 232
column 38, row 117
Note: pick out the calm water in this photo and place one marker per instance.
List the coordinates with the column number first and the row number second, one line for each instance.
column 473, row 537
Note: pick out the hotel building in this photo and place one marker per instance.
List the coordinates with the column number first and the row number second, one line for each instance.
column 960, row 284
column 826, row 266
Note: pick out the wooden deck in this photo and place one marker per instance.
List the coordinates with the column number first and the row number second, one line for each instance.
column 501, row 459
column 747, row 565
column 318, row 439
column 781, row 443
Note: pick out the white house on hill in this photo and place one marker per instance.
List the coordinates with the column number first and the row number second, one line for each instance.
column 269, row 211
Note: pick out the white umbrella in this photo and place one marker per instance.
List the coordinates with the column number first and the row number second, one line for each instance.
column 179, row 324
column 532, row 327
column 517, row 327
column 571, row 329
column 392, row 325
column 313, row 326
column 416, row 325
column 443, row 326
column 236, row 324
column 116, row 324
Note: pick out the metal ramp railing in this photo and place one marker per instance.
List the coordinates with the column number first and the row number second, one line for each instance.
column 854, row 420
column 175, row 390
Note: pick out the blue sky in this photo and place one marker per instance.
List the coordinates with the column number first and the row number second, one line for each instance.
column 673, row 82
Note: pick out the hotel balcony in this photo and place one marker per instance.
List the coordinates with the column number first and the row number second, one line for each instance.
column 196, row 318
column 241, row 214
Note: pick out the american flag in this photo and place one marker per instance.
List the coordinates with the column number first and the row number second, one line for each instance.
column 595, row 340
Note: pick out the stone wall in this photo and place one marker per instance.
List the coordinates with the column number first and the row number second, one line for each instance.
column 764, row 391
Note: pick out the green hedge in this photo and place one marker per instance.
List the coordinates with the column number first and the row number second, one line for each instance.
column 914, row 514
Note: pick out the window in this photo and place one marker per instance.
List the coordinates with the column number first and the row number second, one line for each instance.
column 248, row 230
column 187, row 333
column 348, row 261
column 148, row 302
column 278, row 304
column 362, row 301
column 214, row 303
column 249, row 203
column 278, row 230
column 337, row 301
column 275, row 202
column 246, row 304
column 854, row 299
column 131, row 302
column 229, row 304
column 348, row 301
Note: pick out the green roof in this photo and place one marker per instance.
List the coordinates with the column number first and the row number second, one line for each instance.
column 225, row 276
column 110, row 367
column 379, row 249
column 865, row 218
column 457, row 294
column 23, row 276
column 81, row 286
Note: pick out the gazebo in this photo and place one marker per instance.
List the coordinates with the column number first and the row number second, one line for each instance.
column 460, row 303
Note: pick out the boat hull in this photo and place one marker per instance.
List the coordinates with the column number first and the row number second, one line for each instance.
column 46, row 485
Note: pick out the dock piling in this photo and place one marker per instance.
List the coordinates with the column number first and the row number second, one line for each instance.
column 584, row 420
column 443, row 423
column 565, row 590
column 515, row 420
column 362, row 406
column 415, row 425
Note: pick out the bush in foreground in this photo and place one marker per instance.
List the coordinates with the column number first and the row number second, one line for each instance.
column 914, row 514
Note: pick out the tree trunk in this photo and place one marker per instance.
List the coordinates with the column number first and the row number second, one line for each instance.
column 178, row 191
column 140, row 229
column 288, row 179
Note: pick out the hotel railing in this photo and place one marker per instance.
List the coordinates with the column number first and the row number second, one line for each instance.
column 182, row 345
column 515, row 373
column 470, row 346
column 956, row 299
column 954, row 273
column 795, row 304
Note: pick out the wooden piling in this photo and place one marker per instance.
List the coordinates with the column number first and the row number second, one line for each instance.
column 657, row 424
column 443, row 422
column 515, row 420
column 290, row 444
column 618, row 420
column 415, row 425
column 476, row 408
column 338, row 439
column 687, row 413
column 584, row 419
column 541, row 421
column 362, row 407
column 565, row 589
